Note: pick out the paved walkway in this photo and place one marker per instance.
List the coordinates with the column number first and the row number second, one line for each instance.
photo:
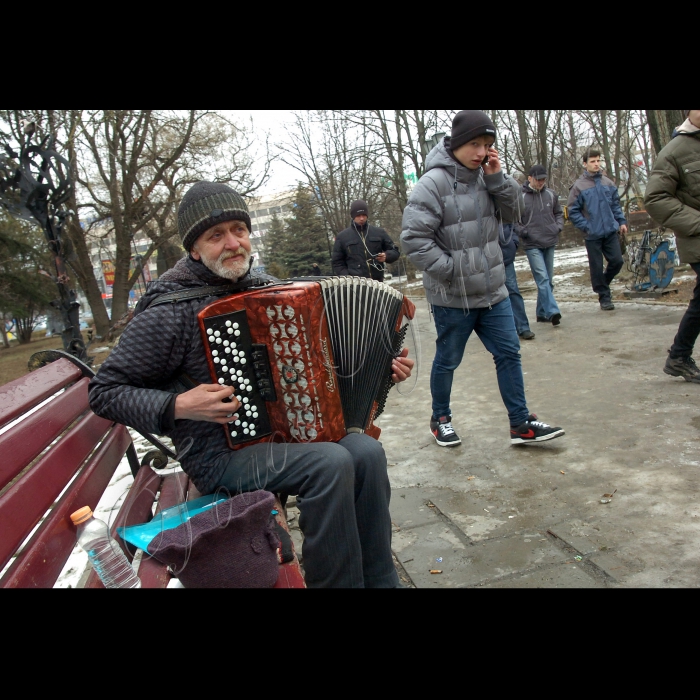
column 490, row 514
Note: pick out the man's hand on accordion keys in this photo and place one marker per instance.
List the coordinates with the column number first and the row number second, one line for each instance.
column 207, row 402
column 401, row 366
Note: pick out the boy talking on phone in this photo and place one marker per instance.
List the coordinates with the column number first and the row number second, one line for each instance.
column 450, row 231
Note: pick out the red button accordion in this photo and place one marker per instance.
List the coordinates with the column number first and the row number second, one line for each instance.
column 309, row 359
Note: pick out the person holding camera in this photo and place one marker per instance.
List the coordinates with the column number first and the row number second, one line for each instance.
column 362, row 250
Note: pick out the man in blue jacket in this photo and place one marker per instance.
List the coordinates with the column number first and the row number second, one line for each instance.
column 594, row 208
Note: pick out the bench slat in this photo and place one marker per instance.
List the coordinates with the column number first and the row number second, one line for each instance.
column 23, row 442
column 41, row 561
column 135, row 510
column 20, row 395
column 154, row 574
column 25, row 502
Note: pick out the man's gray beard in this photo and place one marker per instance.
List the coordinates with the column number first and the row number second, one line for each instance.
column 228, row 272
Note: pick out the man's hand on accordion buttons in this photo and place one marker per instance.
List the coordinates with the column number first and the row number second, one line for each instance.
column 207, row 402
column 401, row 367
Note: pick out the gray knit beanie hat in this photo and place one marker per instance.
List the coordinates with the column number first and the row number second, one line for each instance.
column 206, row 204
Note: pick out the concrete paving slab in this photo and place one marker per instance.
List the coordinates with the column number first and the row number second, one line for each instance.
column 420, row 550
column 581, row 536
column 628, row 427
column 560, row 576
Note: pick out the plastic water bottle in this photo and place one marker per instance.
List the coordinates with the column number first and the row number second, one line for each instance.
column 106, row 556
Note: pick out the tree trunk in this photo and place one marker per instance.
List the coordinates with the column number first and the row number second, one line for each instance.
column 168, row 255
column 524, row 140
column 662, row 122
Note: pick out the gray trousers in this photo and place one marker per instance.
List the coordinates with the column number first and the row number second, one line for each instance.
column 343, row 495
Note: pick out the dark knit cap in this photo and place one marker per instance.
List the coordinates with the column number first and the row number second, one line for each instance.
column 358, row 207
column 468, row 124
column 206, row 204
column 539, row 172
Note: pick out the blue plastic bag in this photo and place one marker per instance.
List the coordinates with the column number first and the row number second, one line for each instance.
column 141, row 535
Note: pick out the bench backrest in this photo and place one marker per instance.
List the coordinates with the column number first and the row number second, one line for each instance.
column 56, row 456
column 43, row 448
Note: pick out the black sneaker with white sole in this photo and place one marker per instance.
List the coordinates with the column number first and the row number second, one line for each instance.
column 533, row 430
column 443, row 432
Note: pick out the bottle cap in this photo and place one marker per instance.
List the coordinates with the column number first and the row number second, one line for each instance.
column 81, row 515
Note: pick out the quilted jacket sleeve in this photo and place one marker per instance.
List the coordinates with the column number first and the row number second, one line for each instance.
column 131, row 386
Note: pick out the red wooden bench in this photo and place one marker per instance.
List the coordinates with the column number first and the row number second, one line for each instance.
column 60, row 456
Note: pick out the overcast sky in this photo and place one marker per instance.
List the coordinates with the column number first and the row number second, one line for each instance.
column 270, row 121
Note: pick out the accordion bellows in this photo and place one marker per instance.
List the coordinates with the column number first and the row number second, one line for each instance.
column 310, row 359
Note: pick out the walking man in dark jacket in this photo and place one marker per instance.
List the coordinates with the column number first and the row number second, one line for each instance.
column 672, row 199
column 451, row 228
column 361, row 250
column 539, row 231
column 594, row 208
column 509, row 242
column 342, row 488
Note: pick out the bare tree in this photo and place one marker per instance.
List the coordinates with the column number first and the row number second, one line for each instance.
column 131, row 168
column 662, row 122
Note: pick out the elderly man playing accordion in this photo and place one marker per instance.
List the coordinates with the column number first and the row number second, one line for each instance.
column 157, row 380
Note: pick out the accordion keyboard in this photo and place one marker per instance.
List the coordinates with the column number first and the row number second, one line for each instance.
column 240, row 363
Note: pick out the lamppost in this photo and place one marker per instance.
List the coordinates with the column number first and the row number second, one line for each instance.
column 35, row 184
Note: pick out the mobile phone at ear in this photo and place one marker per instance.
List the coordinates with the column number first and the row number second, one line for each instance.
column 485, row 161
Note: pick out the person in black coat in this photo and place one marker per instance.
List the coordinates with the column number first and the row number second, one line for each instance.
column 361, row 250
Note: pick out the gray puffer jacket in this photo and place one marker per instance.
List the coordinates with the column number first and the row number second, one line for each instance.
column 451, row 227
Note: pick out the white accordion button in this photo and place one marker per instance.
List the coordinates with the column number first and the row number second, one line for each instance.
column 228, row 323
column 246, row 399
column 236, row 333
column 246, row 431
column 243, row 360
column 235, row 325
column 215, row 352
column 226, row 343
column 238, row 422
column 239, row 373
column 218, row 341
column 229, row 331
column 255, row 414
column 217, row 360
column 221, row 381
column 252, row 432
column 249, row 388
column 233, row 433
column 217, row 333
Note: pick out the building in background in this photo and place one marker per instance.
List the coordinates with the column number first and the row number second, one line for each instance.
column 262, row 209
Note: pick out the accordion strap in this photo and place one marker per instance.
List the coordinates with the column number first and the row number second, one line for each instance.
column 210, row 291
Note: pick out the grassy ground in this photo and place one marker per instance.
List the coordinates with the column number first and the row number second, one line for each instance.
column 13, row 360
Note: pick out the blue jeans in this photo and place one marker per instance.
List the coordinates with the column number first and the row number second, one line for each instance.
column 542, row 266
column 516, row 300
column 496, row 330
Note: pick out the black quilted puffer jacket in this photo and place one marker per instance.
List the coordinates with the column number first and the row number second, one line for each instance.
column 138, row 382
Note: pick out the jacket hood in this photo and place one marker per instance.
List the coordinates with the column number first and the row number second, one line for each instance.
column 687, row 127
column 529, row 190
column 439, row 157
